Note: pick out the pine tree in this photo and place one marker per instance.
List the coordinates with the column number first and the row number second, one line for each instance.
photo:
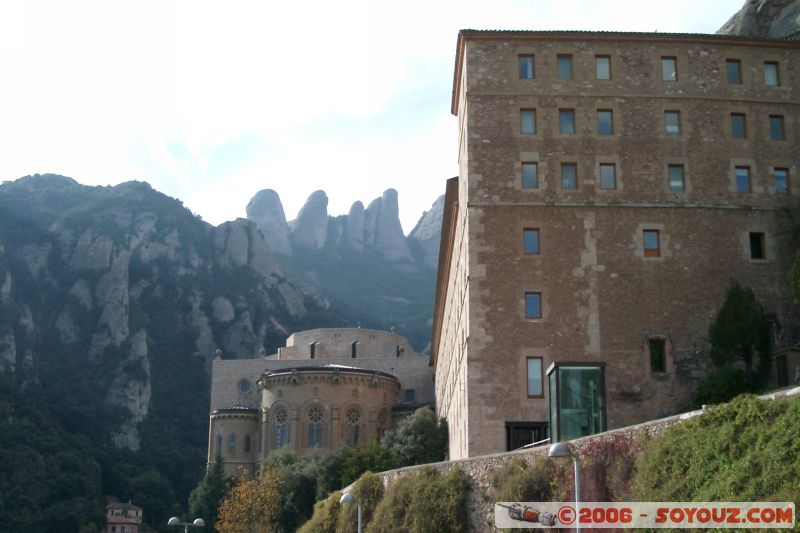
column 205, row 499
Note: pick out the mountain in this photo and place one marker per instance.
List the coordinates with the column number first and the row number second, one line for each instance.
column 361, row 262
column 778, row 19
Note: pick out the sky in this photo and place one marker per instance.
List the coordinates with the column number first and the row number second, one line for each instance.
column 210, row 102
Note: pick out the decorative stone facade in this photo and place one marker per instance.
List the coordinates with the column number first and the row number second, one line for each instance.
column 654, row 169
column 326, row 387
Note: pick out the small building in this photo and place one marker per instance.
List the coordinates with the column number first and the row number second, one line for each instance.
column 123, row 517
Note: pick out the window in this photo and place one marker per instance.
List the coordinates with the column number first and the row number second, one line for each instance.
column 652, row 246
column 533, row 305
column 602, row 67
column 676, row 178
column 353, row 425
column 738, row 126
column 382, row 423
column 527, row 121
column 776, row 128
column 315, row 421
column 232, row 443
column 669, row 68
column 353, row 349
column 531, row 241
column 244, row 386
column 247, row 443
column 757, row 248
column 281, row 427
column 535, row 389
column 519, row 434
column 312, row 350
column 608, row 176
column 409, row 396
column 658, row 359
column 781, row 176
column 782, row 370
column 733, row 71
column 742, row 179
column 566, row 121
column 672, row 121
column 564, row 67
column 771, row 74
column 527, row 67
column 569, row 176
column 605, row 122
column 218, row 449
column 530, row 176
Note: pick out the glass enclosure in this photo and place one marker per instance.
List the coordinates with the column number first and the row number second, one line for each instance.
column 577, row 400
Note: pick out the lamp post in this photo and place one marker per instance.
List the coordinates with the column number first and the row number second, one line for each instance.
column 347, row 498
column 175, row 521
column 559, row 449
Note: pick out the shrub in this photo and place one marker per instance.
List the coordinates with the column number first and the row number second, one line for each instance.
column 721, row 385
column 524, row 482
column 418, row 439
column 369, row 457
column 325, row 517
column 369, row 490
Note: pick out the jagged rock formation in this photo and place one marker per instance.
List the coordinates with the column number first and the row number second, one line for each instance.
column 779, row 19
column 424, row 238
column 266, row 210
column 310, row 229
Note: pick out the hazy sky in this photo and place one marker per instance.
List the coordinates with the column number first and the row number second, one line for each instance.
column 211, row 102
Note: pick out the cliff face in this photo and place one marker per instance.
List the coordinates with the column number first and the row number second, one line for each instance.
column 777, row 19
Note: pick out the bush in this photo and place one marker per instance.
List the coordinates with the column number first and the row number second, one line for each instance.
column 369, row 490
column 418, row 439
column 370, row 457
column 326, row 516
column 518, row 481
column 720, row 386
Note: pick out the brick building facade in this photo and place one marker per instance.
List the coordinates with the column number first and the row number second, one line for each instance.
column 612, row 185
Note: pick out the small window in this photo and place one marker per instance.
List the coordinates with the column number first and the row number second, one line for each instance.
column 569, row 176
column 247, row 443
column 676, row 178
column 669, row 68
column 565, row 66
column 602, row 67
column 733, row 71
column 566, row 121
column 527, row 121
column 232, row 443
column 781, row 176
column 409, row 396
column 608, row 176
column 535, row 389
column 742, row 179
column 244, row 386
column 757, row 248
column 658, row 356
column 354, row 350
column 527, row 67
column 652, row 244
column 312, row 350
column 533, row 305
column 315, row 425
column 738, row 125
column 776, row 132
column 605, row 122
column 530, row 176
column 531, row 241
column 218, row 449
column 771, row 74
column 672, row 121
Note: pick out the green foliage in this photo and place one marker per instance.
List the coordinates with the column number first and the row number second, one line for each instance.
column 205, row 499
column 365, row 458
column 720, row 386
column 369, row 491
column 794, row 277
column 252, row 504
column 424, row 502
column 746, row 450
column 520, row 481
column 300, row 488
column 418, row 439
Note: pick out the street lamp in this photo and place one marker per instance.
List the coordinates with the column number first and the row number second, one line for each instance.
column 347, row 498
column 559, row 449
column 175, row 521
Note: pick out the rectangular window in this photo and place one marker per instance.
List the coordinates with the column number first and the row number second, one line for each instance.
column 530, row 175
column 781, row 176
column 776, row 132
column 669, row 68
column 602, row 67
column 771, row 74
column 608, row 176
column 564, row 67
column 658, row 359
column 605, row 122
column 652, row 244
column 676, row 182
column 533, row 305
column 742, row 179
column 569, row 176
column 733, row 71
column 527, row 121
column 757, row 248
column 566, row 121
column 519, row 434
column 672, row 121
column 409, row 396
column 535, row 389
column 738, row 125
column 527, row 67
column 531, row 241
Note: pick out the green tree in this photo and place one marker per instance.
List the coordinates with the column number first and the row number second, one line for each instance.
column 741, row 332
column 369, row 457
column 205, row 499
column 252, row 505
column 418, row 439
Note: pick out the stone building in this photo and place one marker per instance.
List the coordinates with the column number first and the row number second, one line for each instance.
column 123, row 517
column 326, row 387
column 611, row 186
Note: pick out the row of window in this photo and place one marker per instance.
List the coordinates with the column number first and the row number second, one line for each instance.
column 315, row 427
column 669, row 69
column 676, row 177
column 312, row 350
column 672, row 123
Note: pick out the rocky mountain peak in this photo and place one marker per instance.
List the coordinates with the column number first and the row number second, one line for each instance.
column 310, row 227
column 424, row 238
column 266, row 210
column 382, row 227
column 777, row 19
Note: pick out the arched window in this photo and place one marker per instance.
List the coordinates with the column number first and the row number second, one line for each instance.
column 232, row 443
column 218, row 450
column 382, row 423
column 353, row 426
column 247, row 444
column 316, row 427
column 281, row 425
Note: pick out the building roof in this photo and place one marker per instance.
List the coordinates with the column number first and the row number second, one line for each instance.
column 329, row 367
column 238, row 408
column 124, row 506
